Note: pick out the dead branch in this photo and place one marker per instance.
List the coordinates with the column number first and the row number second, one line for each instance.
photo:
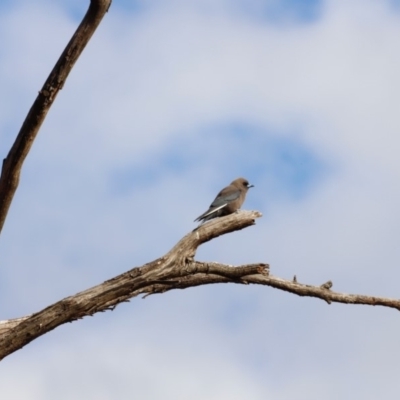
column 12, row 164
column 176, row 270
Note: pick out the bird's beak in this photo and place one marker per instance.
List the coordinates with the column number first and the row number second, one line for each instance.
column 250, row 186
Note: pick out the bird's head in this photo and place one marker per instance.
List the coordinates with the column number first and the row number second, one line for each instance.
column 242, row 183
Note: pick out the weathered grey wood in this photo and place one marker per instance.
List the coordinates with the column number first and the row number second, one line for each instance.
column 176, row 270
column 164, row 273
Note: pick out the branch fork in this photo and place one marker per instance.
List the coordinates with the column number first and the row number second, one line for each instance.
column 176, row 270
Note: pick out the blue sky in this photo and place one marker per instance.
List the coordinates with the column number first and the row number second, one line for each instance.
column 171, row 101
column 272, row 11
column 292, row 168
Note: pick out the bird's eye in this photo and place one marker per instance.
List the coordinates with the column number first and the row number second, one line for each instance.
column 245, row 183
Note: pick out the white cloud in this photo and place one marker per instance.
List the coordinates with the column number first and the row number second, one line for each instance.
column 162, row 77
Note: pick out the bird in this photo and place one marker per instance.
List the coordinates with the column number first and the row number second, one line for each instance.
column 228, row 200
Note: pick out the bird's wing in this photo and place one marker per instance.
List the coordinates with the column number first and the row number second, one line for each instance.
column 210, row 211
column 224, row 197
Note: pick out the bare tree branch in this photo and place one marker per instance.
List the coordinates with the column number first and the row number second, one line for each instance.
column 176, row 270
column 12, row 164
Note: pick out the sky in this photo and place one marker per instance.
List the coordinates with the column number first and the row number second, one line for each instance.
column 170, row 101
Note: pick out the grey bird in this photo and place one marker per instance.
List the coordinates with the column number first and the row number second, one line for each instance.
column 228, row 200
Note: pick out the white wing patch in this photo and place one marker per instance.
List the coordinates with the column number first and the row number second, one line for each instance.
column 214, row 210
